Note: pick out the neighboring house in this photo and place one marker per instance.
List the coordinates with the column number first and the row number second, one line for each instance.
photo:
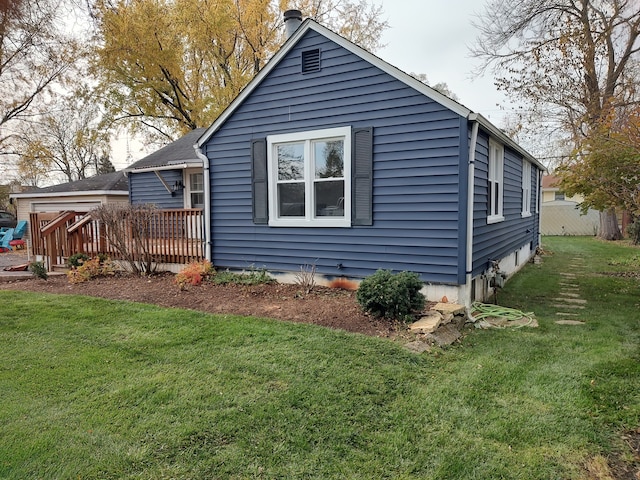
column 551, row 191
column 79, row 196
column 561, row 214
column 333, row 158
column 170, row 178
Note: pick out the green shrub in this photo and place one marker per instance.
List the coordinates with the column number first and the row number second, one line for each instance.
column 77, row 259
column 253, row 277
column 39, row 270
column 384, row 294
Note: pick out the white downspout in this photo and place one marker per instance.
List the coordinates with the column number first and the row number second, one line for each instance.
column 473, row 117
column 207, row 202
column 539, row 207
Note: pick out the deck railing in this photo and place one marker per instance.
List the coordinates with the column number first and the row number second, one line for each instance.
column 171, row 236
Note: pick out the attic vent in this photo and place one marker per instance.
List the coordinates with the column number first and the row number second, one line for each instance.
column 311, row 61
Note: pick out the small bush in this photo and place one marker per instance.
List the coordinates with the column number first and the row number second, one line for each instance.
column 38, row 269
column 194, row 274
column 91, row 269
column 306, row 278
column 384, row 294
column 77, row 259
column 253, row 277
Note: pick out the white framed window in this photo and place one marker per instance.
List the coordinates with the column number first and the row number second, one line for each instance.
column 526, row 188
column 194, row 195
column 310, row 178
column 496, row 182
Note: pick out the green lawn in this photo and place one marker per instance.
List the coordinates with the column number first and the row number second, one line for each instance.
column 99, row 389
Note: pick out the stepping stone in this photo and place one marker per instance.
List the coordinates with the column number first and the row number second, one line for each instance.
column 568, row 285
column 569, row 306
column 566, row 314
column 567, row 274
column 571, row 300
column 568, row 294
column 569, row 322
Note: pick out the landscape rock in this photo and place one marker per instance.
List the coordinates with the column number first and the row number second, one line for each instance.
column 427, row 324
column 445, row 335
column 452, row 308
column 447, row 318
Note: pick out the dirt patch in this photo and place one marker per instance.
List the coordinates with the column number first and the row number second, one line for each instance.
column 620, row 465
column 334, row 308
column 626, row 465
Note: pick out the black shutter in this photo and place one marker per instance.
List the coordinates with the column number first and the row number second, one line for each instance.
column 362, row 172
column 259, row 181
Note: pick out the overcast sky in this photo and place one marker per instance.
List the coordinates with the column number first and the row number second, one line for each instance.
column 433, row 37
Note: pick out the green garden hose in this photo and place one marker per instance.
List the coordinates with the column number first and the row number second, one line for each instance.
column 480, row 311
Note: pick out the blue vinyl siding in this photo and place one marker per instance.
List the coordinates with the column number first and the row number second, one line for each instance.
column 146, row 187
column 494, row 241
column 416, row 172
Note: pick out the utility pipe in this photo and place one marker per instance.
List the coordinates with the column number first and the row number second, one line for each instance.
column 207, row 202
column 473, row 117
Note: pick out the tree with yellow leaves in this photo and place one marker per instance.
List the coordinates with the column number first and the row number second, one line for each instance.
column 170, row 66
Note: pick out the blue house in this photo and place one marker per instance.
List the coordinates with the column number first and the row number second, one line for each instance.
column 334, row 158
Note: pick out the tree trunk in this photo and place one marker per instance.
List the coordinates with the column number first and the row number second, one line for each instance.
column 609, row 229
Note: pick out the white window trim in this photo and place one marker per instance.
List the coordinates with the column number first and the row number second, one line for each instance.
column 538, row 192
column 186, row 181
column 499, row 148
column 308, row 137
column 526, row 188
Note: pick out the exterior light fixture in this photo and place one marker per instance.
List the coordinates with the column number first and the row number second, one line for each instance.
column 177, row 186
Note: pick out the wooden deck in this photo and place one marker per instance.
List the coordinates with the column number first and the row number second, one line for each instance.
column 170, row 236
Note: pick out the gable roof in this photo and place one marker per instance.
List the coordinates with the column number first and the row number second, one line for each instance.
column 395, row 72
column 115, row 183
column 178, row 154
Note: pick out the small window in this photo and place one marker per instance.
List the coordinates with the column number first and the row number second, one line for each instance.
column 309, row 178
column 559, row 196
column 496, row 187
column 311, row 61
column 526, row 188
column 196, row 190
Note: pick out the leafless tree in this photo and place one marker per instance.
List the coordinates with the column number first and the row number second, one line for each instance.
column 129, row 230
column 570, row 61
column 35, row 53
